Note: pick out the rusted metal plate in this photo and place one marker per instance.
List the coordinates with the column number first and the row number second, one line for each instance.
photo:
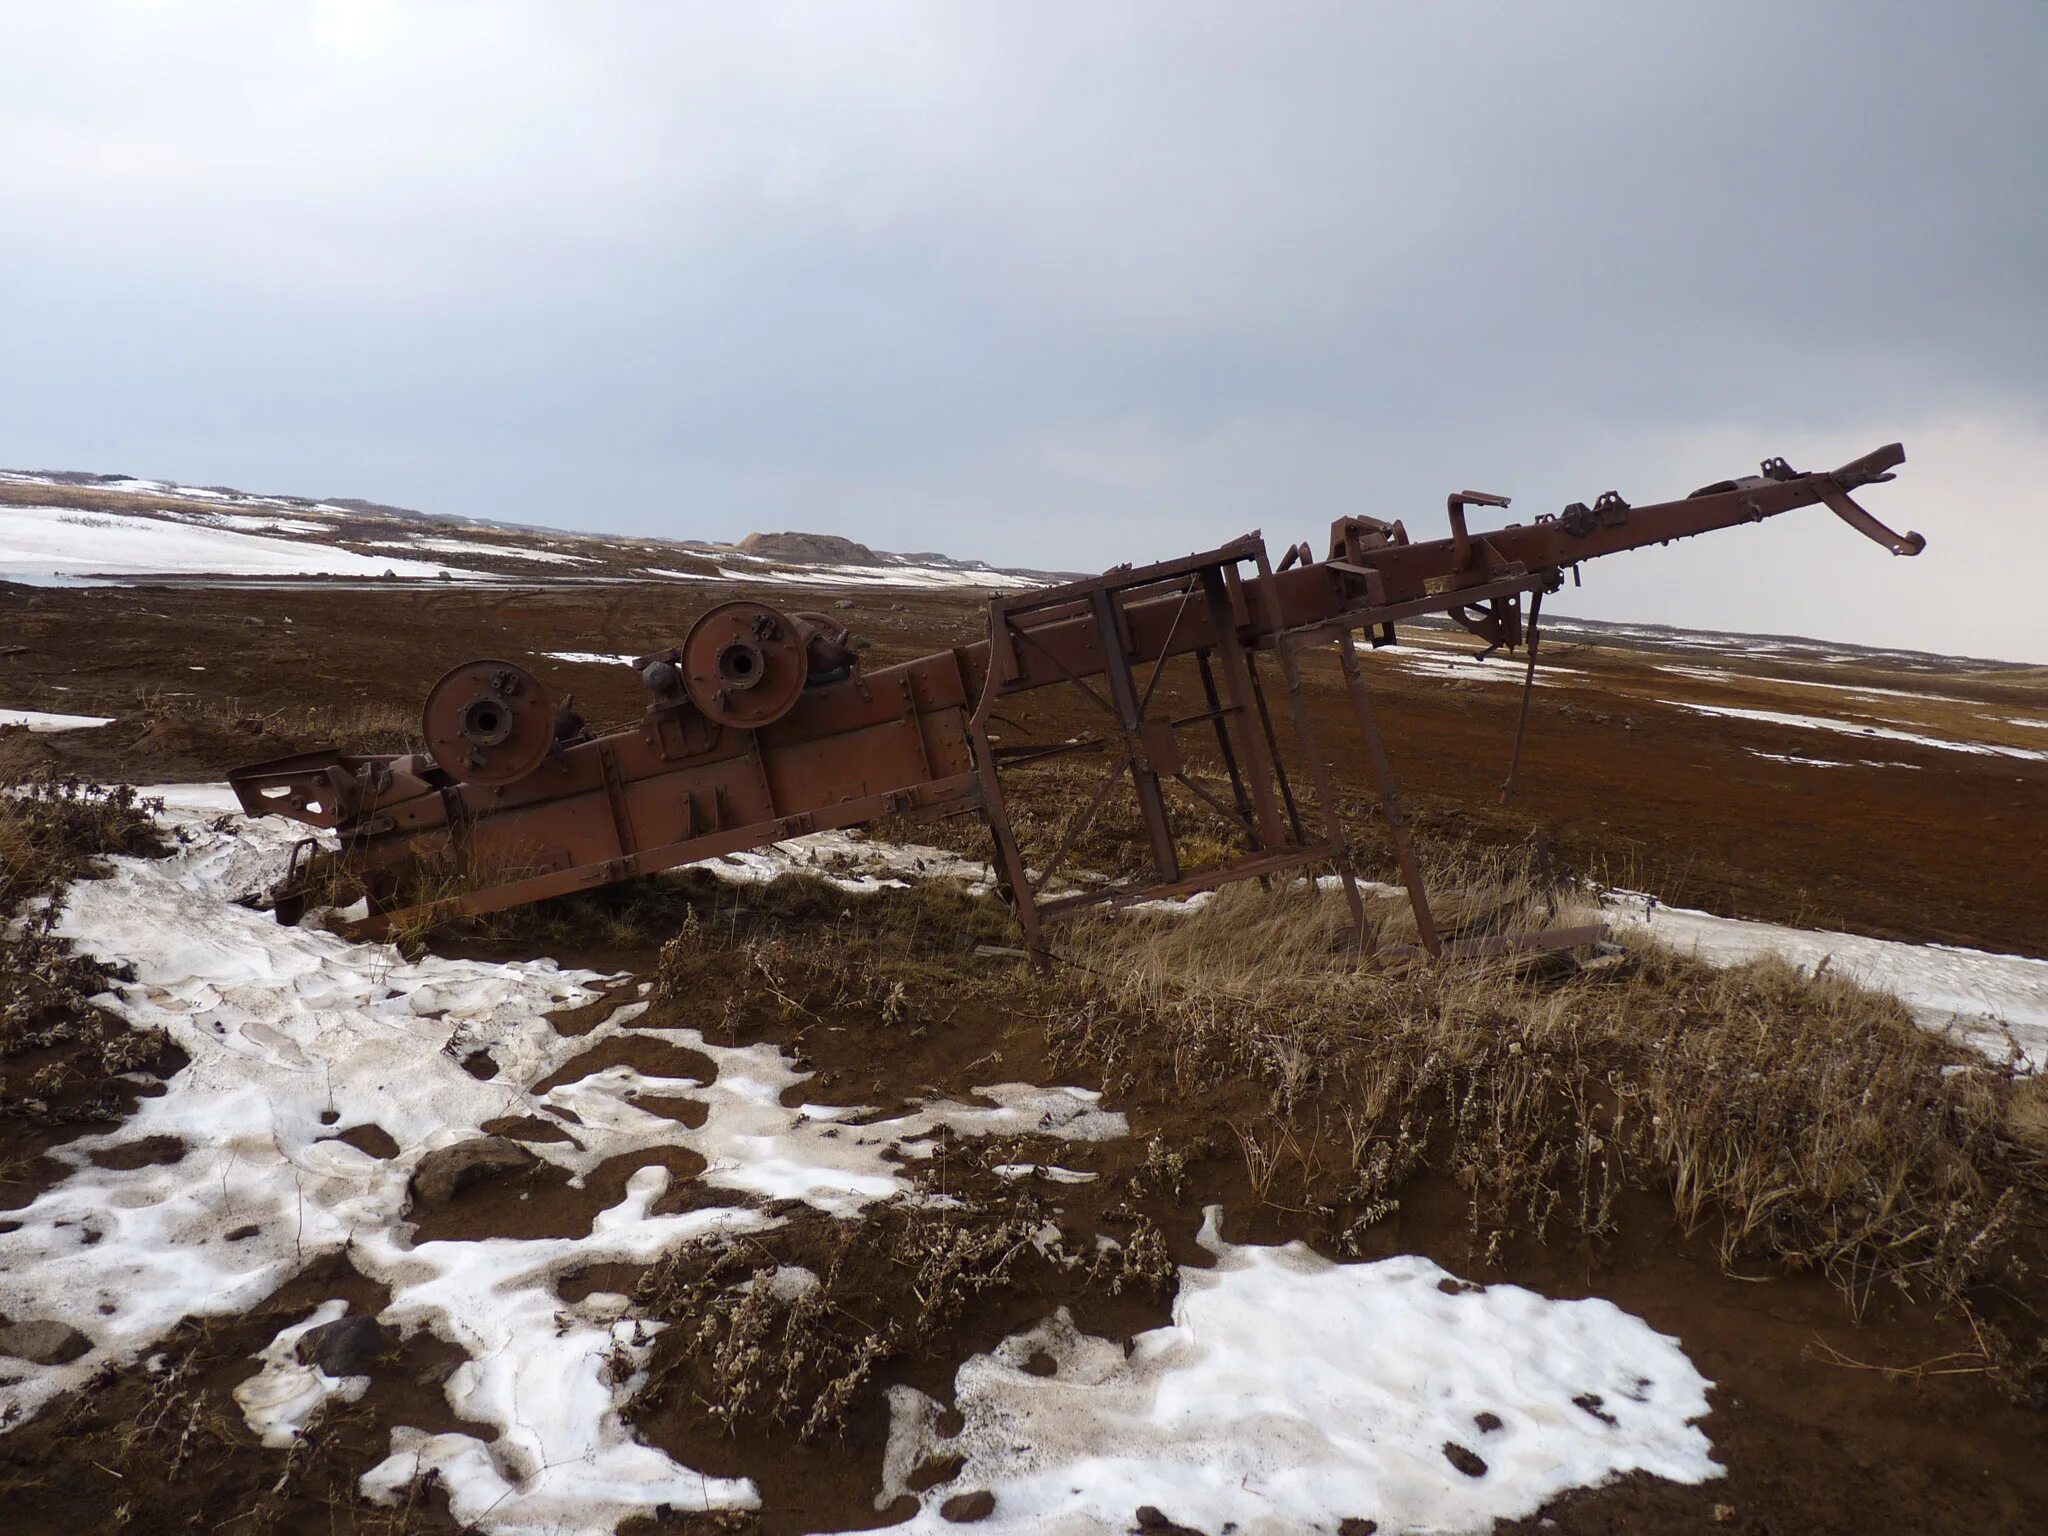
column 763, row 725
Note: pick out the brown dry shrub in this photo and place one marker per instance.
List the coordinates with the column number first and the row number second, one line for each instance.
column 61, row 1056
column 1802, row 1122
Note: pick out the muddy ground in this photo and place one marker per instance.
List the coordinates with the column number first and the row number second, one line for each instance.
column 1933, row 845
column 1825, row 1422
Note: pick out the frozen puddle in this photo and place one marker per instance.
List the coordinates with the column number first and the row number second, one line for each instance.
column 1996, row 1003
column 296, row 1036
column 1291, row 1394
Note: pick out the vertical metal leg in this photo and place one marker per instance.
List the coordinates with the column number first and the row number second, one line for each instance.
column 1273, row 746
column 1215, row 702
column 1009, row 857
column 1507, row 789
column 1123, row 688
column 1390, row 799
column 1319, row 773
column 1262, row 762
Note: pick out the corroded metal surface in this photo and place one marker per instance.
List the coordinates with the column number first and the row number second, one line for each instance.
column 763, row 725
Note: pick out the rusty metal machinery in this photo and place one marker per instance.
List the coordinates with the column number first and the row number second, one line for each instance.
column 764, row 725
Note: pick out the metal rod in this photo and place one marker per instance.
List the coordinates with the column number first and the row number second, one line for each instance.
column 1319, row 770
column 1507, row 789
column 1244, row 810
column 1390, row 798
column 1077, row 826
column 1261, row 762
column 1116, row 667
column 1273, row 745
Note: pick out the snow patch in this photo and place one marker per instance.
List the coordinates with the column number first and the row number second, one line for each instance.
column 47, row 544
column 593, row 658
column 280, row 1400
column 37, row 721
column 1291, row 1394
column 1848, row 728
column 295, row 1036
column 1996, row 1003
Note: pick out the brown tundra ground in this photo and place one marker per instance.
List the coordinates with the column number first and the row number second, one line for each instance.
column 1875, row 1368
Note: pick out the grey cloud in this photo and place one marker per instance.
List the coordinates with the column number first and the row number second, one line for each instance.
column 1055, row 283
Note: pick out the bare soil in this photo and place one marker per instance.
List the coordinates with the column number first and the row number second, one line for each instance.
column 1827, row 1421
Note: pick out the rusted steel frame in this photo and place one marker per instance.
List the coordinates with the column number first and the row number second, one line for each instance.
column 1318, row 768
column 1243, row 823
column 1237, row 789
column 957, row 789
column 1272, row 740
column 1075, row 827
column 1166, row 650
column 1535, row 633
column 1018, row 757
column 1839, row 503
column 1260, row 755
column 1272, row 863
column 1390, row 797
column 1009, row 859
column 1416, row 578
column 1123, row 688
column 1067, row 673
column 1125, row 578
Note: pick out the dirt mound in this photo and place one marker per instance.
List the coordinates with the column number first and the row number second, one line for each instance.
column 809, row 548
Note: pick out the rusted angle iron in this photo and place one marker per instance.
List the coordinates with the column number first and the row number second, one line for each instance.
column 764, row 725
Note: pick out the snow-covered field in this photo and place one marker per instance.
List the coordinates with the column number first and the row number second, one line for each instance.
column 1288, row 1393
column 43, row 545
column 122, row 528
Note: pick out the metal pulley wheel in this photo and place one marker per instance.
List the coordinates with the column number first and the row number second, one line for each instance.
column 488, row 722
column 745, row 664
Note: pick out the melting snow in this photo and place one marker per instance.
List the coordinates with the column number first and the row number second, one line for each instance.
column 1291, row 1394
column 480, row 547
column 1848, row 728
column 595, row 658
column 296, row 1035
column 281, row 1399
column 35, row 720
column 1827, row 762
column 1996, row 1003
column 45, row 544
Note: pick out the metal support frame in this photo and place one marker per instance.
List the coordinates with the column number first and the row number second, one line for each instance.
column 1143, row 751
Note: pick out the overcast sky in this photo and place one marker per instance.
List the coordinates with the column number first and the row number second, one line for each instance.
column 1061, row 284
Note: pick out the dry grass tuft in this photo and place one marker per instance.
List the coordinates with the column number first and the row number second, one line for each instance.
column 1801, row 1122
column 63, row 1061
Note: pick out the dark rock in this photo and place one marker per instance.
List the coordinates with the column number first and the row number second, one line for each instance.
column 1487, row 1422
column 1153, row 1521
column 1464, row 1460
column 44, row 1341
column 1351, row 1525
column 447, row 1171
column 965, row 1508
column 934, row 1471
column 346, row 1346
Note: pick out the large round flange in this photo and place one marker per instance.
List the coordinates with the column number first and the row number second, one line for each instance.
column 488, row 722
column 745, row 664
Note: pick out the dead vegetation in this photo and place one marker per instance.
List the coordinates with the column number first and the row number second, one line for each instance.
column 66, row 1064
column 189, row 719
column 164, row 1447
column 1795, row 1122
column 1791, row 1123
